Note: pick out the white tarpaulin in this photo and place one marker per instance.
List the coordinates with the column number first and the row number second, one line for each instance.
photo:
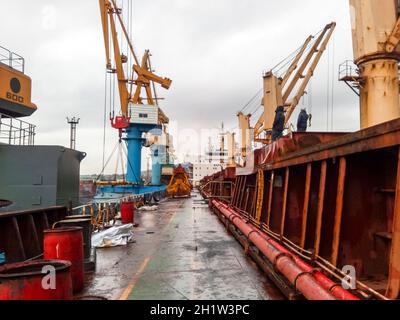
column 148, row 208
column 113, row 237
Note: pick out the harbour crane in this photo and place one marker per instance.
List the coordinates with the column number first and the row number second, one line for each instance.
column 284, row 90
column 138, row 115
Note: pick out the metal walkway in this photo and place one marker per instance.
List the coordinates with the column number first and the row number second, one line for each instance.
column 182, row 252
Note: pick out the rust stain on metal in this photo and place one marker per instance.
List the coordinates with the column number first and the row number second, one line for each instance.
column 285, row 198
column 338, row 211
column 270, row 197
column 321, row 198
column 306, row 205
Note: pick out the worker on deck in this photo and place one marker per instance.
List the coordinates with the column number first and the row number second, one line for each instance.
column 279, row 123
column 302, row 121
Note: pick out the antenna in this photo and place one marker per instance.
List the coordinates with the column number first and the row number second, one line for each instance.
column 73, row 122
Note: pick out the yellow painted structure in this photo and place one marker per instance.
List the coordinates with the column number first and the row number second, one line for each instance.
column 142, row 76
column 376, row 36
column 15, row 93
column 246, row 133
column 231, row 150
column 285, row 90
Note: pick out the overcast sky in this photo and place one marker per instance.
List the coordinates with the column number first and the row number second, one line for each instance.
column 215, row 51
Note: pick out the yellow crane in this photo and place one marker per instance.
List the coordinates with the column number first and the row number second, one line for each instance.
column 139, row 114
column 285, row 90
column 142, row 76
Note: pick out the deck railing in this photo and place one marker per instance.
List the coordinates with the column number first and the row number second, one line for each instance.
column 16, row 132
column 12, row 59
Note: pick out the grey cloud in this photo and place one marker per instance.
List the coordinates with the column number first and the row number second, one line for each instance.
column 214, row 50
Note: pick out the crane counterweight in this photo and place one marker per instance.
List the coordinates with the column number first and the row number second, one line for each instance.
column 15, row 86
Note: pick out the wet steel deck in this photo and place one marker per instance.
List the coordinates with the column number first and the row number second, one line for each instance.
column 182, row 252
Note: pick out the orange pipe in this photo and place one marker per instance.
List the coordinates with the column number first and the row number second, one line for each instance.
column 303, row 281
column 338, row 291
column 278, row 254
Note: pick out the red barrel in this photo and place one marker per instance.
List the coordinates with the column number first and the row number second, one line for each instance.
column 32, row 281
column 128, row 212
column 67, row 244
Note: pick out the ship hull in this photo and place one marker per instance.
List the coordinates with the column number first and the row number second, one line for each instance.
column 335, row 202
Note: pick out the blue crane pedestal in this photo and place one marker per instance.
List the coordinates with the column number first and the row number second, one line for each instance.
column 135, row 143
column 135, row 186
column 159, row 158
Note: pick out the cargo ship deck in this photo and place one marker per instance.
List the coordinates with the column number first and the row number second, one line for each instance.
column 181, row 252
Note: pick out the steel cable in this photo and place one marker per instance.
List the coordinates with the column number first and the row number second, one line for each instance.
column 105, row 119
column 251, row 100
column 108, row 161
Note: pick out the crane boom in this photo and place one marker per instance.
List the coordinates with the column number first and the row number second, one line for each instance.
column 123, row 91
column 142, row 75
column 293, row 66
column 324, row 38
column 104, row 8
column 118, row 12
column 315, row 49
column 279, row 90
column 394, row 38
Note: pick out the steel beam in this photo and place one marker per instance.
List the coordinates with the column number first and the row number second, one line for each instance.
column 338, row 211
column 285, row 198
column 321, row 198
column 394, row 263
column 270, row 197
column 305, row 206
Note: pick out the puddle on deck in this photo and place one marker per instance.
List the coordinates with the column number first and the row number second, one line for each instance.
column 182, row 252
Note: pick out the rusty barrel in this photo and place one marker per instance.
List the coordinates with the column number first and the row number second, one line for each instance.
column 67, row 244
column 85, row 222
column 36, row 280
column 127, row 212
